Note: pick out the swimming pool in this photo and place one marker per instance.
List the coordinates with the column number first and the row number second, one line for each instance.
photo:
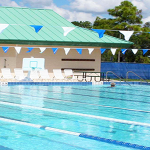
column 74, row 117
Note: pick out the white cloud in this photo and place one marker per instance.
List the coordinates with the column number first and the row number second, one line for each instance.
column 139, row 4
column 96, row 6
column 72, row 15
column 101, row 6
column 146, row 20
column 144, row 5
column 9, row 3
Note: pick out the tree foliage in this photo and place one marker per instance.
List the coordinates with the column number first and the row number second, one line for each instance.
column 127, row 13
column 126, row 16
column 147, row 25
column 83, row 24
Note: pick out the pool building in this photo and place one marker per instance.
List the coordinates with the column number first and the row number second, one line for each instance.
column 42, row 33
column 82, row 117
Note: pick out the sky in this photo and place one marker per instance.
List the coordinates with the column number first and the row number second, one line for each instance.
column 80, row 10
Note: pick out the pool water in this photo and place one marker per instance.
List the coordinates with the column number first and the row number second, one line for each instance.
column 53, row 117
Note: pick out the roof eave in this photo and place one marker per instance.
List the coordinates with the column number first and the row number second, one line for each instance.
column 65, row 43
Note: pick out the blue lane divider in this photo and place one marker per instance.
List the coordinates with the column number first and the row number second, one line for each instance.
column 43, row 127
column 110, row 141
column 4, row 148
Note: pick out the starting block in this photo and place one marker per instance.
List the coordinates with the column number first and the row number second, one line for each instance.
column 3, row 83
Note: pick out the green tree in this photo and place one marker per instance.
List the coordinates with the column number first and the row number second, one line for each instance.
column 103, row 23
column 126, row 16
column 107, row 56
column 147, row 25
column 127, row 13
column 83, row 24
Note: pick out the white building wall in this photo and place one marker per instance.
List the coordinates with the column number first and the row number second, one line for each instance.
column 52, row 61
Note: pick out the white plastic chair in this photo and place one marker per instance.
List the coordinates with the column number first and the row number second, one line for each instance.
column 44, row 74
column 34, row 75
column 6, row 74
column 69, row 74
column 58, row 74
column 19, row 75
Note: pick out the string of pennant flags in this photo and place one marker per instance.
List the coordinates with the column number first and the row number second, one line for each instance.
column 79, row 50
column 42, row 49
column 113, row 50
column 37, row 28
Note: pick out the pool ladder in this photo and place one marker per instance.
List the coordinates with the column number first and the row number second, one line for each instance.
column 116, row 76
column 126, row 76
column 135, row 75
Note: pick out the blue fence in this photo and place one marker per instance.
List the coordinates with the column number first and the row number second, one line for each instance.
column 142, row 70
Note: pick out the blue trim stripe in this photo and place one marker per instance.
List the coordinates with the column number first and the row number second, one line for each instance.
column 72, row 83
column 49, row 83
column 126, row 83
column 110, row 141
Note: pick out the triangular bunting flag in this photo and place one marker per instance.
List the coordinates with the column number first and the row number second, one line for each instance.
column 29, row 49
column 67, row 30
column 123, row 51
column 113, row 50
column 5, row 49
column 42, row 49
column 127, row 34
column 3, row 26
column 144, row 51
column 102, row 50
column 90, row 50
column 67, row 50
column 100, row 32
column 54, row 50
column 134, row 51
column 79, row 50
column 18, row 49
column 36, row 27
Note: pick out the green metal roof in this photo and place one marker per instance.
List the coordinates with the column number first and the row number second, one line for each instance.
column 19, row 30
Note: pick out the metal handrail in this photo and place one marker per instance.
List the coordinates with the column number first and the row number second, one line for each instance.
column 116, row 76
column 136, row 75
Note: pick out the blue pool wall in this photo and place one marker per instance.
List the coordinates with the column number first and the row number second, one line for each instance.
column 75, row 83
column 142, row 70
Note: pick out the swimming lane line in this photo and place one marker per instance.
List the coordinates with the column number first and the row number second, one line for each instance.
column 79, row 114
column 82, row 135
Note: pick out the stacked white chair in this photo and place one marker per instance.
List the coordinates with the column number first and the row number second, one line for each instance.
column 58, row 74
column 44, row 75
column 69, row 74
column 6, row 74
column 19, row 75
column 34, row 75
